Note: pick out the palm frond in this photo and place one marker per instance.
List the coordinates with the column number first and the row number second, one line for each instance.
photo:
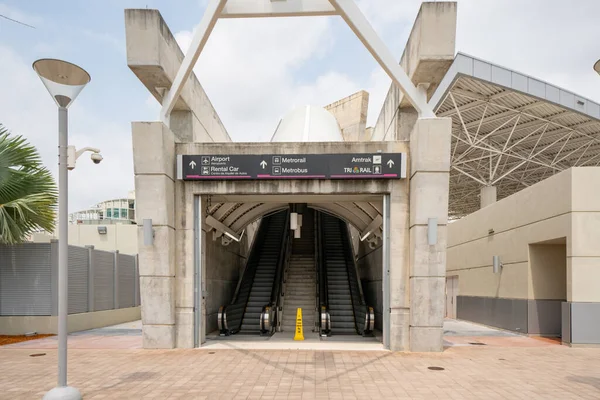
column 28, row 194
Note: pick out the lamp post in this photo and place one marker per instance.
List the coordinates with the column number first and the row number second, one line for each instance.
column 597, row 66
column 64, row 81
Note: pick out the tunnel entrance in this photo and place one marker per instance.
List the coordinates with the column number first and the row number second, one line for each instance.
column 299, row 257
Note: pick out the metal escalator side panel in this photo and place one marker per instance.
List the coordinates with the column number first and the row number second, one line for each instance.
column 268, row 319
column 362, row 316
column 233, row 314
column 267, row 266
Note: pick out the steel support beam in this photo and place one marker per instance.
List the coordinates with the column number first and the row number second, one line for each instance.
column 270, row 8
column 350, row 12
column 207, row 24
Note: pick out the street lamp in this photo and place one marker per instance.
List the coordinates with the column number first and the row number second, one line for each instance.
column 64, row 81
column 597, row 66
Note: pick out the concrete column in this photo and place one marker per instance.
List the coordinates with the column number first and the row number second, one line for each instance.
column 154, row 167
column 405, row 123
column 429, row 186
column 184, row 267
column 399, row 267
column 488, row 195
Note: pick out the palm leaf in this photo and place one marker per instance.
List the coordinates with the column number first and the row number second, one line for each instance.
column 28, row 194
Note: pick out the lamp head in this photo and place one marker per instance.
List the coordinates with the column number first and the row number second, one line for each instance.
column 597, row 66
column 63, row 80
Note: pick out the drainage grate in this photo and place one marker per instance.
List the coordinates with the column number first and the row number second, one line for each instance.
column 436, row 368
column 211, row 352
column 37, row 355
column 477, row 344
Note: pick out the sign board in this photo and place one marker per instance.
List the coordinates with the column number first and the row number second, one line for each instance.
column 291, row 166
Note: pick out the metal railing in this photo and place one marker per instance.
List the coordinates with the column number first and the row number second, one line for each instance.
column 229, row 318
column 364, row 316
column 323, row 299
column 269, row 318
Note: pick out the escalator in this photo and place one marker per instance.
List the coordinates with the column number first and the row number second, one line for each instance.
column 343, row 308
column 252, row 310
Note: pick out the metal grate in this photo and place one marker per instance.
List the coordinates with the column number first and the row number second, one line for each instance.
column 78, row 279
column 103, row 280
column 25, row 279
column 126, row 281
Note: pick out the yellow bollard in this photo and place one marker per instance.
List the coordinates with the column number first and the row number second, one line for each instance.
column 299, row 331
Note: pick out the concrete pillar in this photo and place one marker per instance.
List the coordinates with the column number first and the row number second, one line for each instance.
column 488, row 195
column 429, row 186
column 154, row 167
column 405, row 123
column 399, row 268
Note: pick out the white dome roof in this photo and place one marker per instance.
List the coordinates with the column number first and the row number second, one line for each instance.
column 308, row 124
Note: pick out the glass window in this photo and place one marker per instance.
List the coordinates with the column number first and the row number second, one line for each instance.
column 115, row 213
column 108, row 213
column 124, row 213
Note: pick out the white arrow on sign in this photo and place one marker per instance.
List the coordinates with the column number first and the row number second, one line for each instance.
column 390, row 163
column 192, row 164
column 263, row 164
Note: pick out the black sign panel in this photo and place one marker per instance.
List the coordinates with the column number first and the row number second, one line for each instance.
column 295, row 166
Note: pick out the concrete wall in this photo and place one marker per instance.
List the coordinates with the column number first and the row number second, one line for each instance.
column 118, row 237
column 547, row 239
column 427, row 57
column 155, row 57
column 223, row 269
column 351, row 115
column 416, row 271
column 19, row 325
column 371, row 274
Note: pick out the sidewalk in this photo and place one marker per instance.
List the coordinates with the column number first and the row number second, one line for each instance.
column 554, row 372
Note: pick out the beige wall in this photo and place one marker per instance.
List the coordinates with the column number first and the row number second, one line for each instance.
column 547, row 271
column 118, row 237
column 563, row 210
column 121, row 237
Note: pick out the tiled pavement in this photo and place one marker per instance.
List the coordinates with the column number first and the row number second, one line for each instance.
column 530, row 369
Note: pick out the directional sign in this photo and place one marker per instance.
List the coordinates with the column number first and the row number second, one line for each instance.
column 291, row 166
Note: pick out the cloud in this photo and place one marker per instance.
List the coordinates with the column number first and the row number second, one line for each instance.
column 107, row 39
column 18, row 15
column 27, row 109
column 250, row 69
column 550, row 40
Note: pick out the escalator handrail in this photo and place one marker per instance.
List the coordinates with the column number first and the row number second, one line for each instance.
column 353, row 270
column 348, row 248
column 324, row 300
column 283, row 255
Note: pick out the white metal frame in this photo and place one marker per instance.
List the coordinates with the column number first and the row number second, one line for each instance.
column 514, row 152
column 347, row 9
column 510, row 130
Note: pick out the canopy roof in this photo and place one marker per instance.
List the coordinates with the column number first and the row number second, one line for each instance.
column 510, row 130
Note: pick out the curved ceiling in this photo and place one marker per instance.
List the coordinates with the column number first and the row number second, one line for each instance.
column 229, row 220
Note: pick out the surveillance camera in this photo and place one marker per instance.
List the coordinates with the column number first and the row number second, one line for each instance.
column 96, row 158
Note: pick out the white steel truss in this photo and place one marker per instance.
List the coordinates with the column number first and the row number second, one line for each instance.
column 346, row 9
column 504, row 138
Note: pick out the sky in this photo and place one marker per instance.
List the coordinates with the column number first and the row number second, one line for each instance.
column 254, row 71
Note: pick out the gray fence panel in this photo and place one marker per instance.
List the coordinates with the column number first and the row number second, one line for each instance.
column 25, row 279
column 126, row 281
column 103, row 280
column 78, row 280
